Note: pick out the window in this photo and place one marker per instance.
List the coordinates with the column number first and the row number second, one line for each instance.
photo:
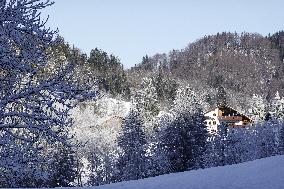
column 209, row 122
column 214, row 114
column 214, row 122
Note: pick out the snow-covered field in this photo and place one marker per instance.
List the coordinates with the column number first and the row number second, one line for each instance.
column 265, row 173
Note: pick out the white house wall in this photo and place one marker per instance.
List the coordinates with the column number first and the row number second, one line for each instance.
column 213, row 115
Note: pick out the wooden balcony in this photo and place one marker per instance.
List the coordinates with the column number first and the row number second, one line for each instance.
column 230, row 118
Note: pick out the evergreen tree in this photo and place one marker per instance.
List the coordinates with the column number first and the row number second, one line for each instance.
column 95, row 167
column 277, row 40
column 184, row 141
column 237, row 146
column 159, row 84
column 257, row 108
column 165, row 86
column 109, row 73
column 219, row 147
column 146, row 100
column 63, row 167
column 132, row 141
column 277, row 107
column 146, row 64
column 186, row 100
column 266, row 139
column 221, row 97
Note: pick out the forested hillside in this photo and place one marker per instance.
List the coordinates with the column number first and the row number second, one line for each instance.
column 239, row 65
column 228, row 65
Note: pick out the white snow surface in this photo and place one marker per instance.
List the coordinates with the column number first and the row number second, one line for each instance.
column 267, row 173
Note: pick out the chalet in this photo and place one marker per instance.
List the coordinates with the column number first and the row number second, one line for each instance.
column 225, row 115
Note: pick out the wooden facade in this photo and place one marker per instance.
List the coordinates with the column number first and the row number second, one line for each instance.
column 227, row 116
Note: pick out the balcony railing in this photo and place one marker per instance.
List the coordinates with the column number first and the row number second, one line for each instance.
column 230, row 118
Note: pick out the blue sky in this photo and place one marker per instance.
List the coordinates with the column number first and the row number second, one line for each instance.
column 131, row 29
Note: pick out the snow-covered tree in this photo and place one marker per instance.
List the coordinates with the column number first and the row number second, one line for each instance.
column 32, row 109
column 146, row 100
column 186, row 100
column 216, row 150
column 95, row 167
column 257, row 108
column 267, row 139
column 277, row 107
column 63, row 166
column 132, row 141
column 102, row 165
column 221, row 96
column 158, row 163
column 183, row 140
column 241, row 145
column 236, row 145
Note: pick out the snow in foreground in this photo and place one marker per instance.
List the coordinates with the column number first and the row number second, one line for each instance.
column 265, row 173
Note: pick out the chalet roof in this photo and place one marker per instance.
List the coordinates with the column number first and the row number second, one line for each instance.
column 229, row 107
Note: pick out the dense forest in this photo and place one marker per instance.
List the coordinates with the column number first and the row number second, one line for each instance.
column 238, row 64
column 72, row 119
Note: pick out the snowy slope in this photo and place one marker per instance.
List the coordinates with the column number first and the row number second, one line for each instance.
column 265, row 173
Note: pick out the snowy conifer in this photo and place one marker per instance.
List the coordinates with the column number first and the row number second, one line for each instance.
column 183, row 140
column 63, row 168
column 257, row 108
column 277, row 107
column 132, row 141
column 146, row 100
